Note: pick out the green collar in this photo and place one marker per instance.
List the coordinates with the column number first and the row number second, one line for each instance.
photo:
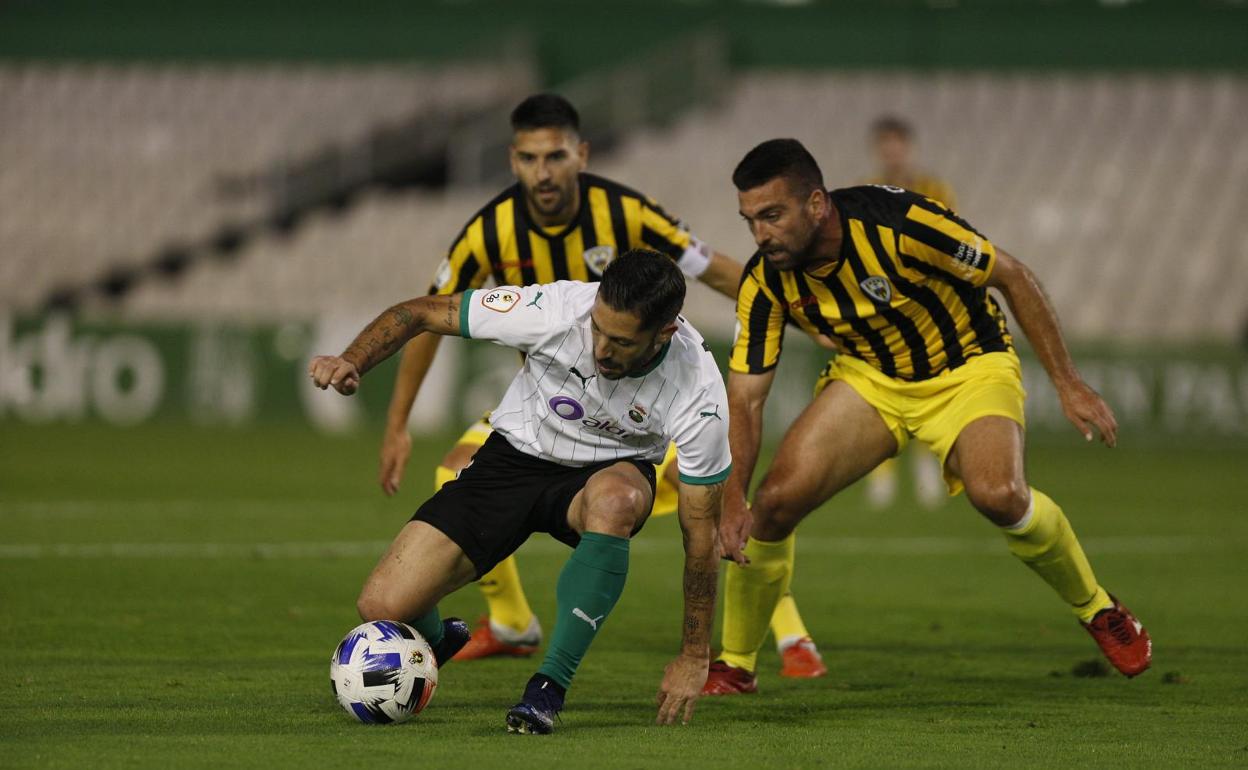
column 654, row 362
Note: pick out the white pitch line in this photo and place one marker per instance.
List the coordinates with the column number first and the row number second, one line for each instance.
column 185, row 506
column 815, row 545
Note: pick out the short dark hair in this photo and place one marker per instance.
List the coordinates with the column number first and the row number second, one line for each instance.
column 778, row 158
column 891, row 124
column 645, row 283
column 545, row 111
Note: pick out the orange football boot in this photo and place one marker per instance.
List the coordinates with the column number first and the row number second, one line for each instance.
column 801, row 660
column 485, row 644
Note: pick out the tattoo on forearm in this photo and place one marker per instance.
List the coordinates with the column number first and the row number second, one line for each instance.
column 381, row 338
column 452, row 310
column 700, row 587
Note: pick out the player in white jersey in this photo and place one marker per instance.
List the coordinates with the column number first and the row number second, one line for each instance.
column 612, row 375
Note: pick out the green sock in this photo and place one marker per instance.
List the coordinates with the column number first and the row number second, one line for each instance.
column 589, row 585
column 429, row 626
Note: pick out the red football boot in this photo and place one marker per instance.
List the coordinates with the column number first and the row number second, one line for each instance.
column 1122, row 639
column 801, row 660
column 486, row 644
column 724, row 679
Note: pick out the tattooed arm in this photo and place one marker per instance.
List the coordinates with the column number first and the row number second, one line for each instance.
column 684, row 677
column 383, row 337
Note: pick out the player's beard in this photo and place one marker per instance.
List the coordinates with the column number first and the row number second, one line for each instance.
column 617, row 370
column 786, row 258
column 558, row 203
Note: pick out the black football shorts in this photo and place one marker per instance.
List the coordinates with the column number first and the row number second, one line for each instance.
column 505, row 495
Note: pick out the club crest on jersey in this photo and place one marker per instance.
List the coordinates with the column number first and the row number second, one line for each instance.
column 599, row 257
column 500, row 300
column 877, row 288
column 638, row 414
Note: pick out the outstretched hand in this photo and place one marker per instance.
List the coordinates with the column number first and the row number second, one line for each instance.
column 683, row 680
column 333, row 370
column 396, row 447
column 1085, row 408
column 735, row 524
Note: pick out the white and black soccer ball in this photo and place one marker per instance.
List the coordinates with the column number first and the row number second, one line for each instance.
column 383, row 672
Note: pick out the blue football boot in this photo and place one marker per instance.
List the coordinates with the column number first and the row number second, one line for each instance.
column 536, row 712
column 455, row 634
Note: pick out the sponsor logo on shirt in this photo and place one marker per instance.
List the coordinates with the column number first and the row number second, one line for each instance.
column 570, row 409
column 608, row 426
column 970, row 254
column 567, row 407
column 500, row 300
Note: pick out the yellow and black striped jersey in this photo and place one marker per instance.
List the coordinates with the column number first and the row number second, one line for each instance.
column 906, row 294
column 501, row 240
column 926, row 185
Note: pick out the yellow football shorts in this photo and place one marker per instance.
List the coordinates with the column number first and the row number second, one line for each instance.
column 936, row 410
column 665, row 492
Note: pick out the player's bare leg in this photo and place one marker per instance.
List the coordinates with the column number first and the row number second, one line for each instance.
column 613, row 504
column 988, row 457
column 838, row 438
column 421, row 566
column 509, row 627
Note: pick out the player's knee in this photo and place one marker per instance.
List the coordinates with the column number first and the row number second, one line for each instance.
column 373, row 606
column 376, row 603
column 1003, row 501
column 775, row 515
column 615, row 507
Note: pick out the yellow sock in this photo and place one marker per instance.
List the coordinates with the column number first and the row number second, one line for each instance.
column 1046, row 543
column 504, row 595
column 750, row 597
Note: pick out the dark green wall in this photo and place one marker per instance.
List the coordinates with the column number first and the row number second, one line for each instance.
column 570, row 36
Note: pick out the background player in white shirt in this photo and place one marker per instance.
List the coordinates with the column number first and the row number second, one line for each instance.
column 612, row 375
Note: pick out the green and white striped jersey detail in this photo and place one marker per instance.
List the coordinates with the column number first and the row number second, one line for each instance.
column 559, row 408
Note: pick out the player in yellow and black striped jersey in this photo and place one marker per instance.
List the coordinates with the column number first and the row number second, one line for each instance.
column 906, row 293
column 892, row 145
column 898, row 284
column 503, row 241
column 556, row 222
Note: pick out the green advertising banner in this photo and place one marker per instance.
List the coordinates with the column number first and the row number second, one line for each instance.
column 59, row 369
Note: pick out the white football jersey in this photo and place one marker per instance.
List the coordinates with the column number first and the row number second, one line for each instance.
column 560, row 409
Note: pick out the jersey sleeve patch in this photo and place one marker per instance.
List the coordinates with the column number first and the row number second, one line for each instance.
column 499, row 300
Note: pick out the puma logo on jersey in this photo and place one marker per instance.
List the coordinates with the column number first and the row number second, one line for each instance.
column 714, row 413
column 593, row 622
column 583, row 378
column 535, row 301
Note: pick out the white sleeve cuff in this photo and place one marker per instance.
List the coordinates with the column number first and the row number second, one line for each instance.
column 696, row 259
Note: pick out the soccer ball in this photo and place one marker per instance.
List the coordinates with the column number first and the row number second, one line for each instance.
column 383, row 672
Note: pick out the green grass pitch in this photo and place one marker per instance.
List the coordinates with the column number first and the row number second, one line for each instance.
column 170, row 597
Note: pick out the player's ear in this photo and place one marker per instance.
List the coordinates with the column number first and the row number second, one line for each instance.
column 582, row 155
column 665, row 334
column 513, row 159
column 817, row 204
